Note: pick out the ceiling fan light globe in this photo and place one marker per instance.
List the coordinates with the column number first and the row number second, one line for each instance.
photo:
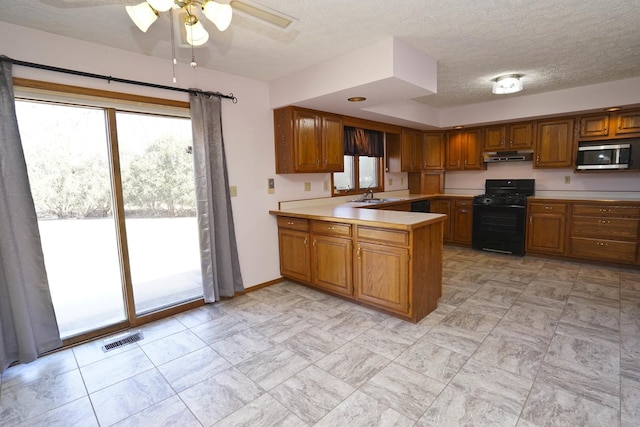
column 161, row 5
column 219, row 14
column 507, row 84
column 142, row 15
column 196, row 34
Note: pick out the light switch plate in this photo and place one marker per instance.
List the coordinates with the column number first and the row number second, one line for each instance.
column 307, row 186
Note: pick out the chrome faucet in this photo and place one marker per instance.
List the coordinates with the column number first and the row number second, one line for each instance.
column 368, row 194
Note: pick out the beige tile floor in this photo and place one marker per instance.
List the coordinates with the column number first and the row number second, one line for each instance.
column 515, row 341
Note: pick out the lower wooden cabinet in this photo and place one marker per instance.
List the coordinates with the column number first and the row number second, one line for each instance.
column 462, row 221
column 332, row 264
column 605, row 232
column 546, row 228
column 383, row 276
column 396, row 270
column 443, row 207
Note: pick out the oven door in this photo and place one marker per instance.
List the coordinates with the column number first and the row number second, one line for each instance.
column 499, row 228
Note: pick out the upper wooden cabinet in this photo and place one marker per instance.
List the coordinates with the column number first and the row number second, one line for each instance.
column 410, row 150
column 433, row 150
column 619, row 124
column 464, row 150
column 554, row 146
column 514, row 136
column 308, row 141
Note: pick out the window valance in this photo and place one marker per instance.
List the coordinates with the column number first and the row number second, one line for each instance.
column 363, row 142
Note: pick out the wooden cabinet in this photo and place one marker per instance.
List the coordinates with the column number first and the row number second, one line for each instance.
column 332, row 257
column 546, row 228
column 410, row 150
column 619, row 124
column 605, row 232
column 554, row 146
column 433, row 151
column 464, row 150
column 443, row 206
column 383, row 276
column 514, row 136
column 396, row 270
column 293, row 240
column 308, row 141
column 462, row 221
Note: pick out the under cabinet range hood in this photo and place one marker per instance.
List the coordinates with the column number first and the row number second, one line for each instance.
column 508, row 156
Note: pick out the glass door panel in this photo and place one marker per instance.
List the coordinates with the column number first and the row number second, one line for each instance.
column 156, row 167
column 66, row 151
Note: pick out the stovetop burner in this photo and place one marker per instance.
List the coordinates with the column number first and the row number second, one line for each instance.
column 505, row 192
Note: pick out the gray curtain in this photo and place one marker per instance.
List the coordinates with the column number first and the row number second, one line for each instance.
column 28, row 324
column 218, row 250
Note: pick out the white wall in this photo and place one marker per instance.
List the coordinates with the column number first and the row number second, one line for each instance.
column 247, row 125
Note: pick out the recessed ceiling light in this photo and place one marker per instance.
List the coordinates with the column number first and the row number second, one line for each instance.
column 458, row 127
column 356, row 99
column 610, row 109
column 509, row 83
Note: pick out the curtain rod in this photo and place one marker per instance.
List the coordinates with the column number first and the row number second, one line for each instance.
column 114, row 79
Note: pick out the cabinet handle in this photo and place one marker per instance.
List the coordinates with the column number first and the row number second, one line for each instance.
column 531, row 220
column 604, row 131
column 305, row 242
column 359, row 251
column 290, row 222
column 314, row 243
column 329, row 228
column 465, row 162
column 548, row 208
column 605, row 210
column 601, row 244
column 602, row 221
column 537, row 160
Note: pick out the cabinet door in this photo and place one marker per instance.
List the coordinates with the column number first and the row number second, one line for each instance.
column 307, row 141
column 628, row 123
column 454, row 147
column 520, row 135
column 473, row 150
column 332, row 264
column 383, row 276
column 443, row 207
column 462, row 221
column 554, row 144
column 294, row 254
column 433, row 151
column 594, row 126
column 332, row 144
column 546, row 230
column 494, row 138
column 411, row 151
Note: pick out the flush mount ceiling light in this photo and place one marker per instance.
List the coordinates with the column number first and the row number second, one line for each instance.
column 509, row 83
column 146, row 13
column 356, row 99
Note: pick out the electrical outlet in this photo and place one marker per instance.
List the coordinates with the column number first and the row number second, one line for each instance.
column 401, row 181
column 325, row 186
column 307, row 186
column 567, row 179
column 270, row 186
column 233, row 191
column 390, row 181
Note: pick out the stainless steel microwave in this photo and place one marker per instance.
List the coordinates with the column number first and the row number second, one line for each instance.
column 604, row 156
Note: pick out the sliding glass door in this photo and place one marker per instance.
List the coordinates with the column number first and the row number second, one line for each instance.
column 156, row 165
column 119, row 232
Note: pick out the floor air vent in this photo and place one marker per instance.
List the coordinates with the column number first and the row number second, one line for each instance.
column 122, row 339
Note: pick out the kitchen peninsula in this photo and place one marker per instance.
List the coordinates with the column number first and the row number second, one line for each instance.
column 388, row 260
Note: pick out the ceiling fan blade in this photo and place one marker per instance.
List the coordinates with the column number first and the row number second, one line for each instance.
column 262, row 14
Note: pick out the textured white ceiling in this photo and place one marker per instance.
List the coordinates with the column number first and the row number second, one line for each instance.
column 556, row 44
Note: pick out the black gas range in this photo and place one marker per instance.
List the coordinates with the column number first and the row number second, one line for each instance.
column 499, row 215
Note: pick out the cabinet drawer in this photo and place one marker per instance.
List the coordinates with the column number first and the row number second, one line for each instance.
column 383, row 235
column 462, row 203
column 331, row 228
column 605, row 228
column 604, row 250
column 557, row 208
column 604, row 210
column 293, row 223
